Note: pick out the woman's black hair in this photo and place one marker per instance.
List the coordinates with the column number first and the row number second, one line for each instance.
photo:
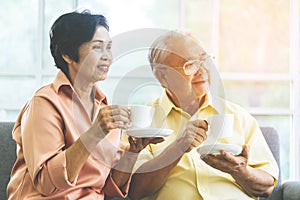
column 69, row 32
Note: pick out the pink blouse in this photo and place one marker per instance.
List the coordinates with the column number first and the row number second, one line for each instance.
column 47, row 125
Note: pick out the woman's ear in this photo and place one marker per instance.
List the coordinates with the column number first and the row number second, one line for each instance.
column 67, row 59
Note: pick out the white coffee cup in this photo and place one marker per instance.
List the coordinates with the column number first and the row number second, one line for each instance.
column 219, row 126
column 141, row 116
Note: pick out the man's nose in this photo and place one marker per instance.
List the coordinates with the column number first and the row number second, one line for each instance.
column 201, row 71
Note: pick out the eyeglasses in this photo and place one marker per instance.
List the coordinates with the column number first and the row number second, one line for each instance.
column 191, row 67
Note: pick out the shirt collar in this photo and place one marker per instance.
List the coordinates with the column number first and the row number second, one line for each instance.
column 210, row 101
column 213, row 102
column 166, row 104
column 62, row 80
column 100, row 96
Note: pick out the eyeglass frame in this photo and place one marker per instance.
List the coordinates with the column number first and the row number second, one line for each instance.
column 199, row 66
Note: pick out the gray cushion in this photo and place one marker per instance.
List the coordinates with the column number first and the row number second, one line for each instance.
column 272, row 138
column 7, row 155
column 291, row 190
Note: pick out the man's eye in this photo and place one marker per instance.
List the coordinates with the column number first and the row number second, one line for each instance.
column 108, row 47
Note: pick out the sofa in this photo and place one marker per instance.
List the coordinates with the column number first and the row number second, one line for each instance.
column 289, row 190
column 7, row 155
column 284, row 191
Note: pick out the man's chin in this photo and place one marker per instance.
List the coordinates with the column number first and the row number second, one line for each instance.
column 200, row 89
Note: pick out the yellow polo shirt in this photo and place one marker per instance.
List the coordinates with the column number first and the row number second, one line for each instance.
column 193, row 179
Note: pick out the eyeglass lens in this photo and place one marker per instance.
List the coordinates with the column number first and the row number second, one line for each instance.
column 191, row 67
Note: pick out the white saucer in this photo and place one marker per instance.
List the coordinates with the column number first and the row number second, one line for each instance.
column 149, row 132
column 216, row 148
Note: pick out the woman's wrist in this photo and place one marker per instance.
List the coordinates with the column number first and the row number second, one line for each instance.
column 91, row 138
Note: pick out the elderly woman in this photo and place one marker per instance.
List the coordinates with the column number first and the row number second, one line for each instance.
column 67, row 135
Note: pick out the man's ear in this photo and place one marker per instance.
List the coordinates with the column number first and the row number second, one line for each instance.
column 160, row 76
column 67, row 59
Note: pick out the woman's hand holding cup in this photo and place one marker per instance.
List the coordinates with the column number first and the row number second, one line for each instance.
column 112, row 117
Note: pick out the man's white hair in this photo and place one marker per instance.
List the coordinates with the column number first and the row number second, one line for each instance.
column 166, row 44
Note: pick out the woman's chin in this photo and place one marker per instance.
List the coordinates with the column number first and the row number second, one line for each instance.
column 102, row 77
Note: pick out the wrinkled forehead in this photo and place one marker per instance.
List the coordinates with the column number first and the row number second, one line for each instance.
column 183, row 45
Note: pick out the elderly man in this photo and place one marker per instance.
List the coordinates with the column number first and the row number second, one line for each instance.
column 174, row 169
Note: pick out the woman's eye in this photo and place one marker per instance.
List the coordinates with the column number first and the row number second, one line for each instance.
column 97, row 47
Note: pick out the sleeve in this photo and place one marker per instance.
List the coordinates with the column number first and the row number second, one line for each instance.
column 144, row 156
column 43, row 142
column 260, row 156
column 112, row 190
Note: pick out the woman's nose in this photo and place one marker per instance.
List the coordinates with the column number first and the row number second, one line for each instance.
column 106, row 55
